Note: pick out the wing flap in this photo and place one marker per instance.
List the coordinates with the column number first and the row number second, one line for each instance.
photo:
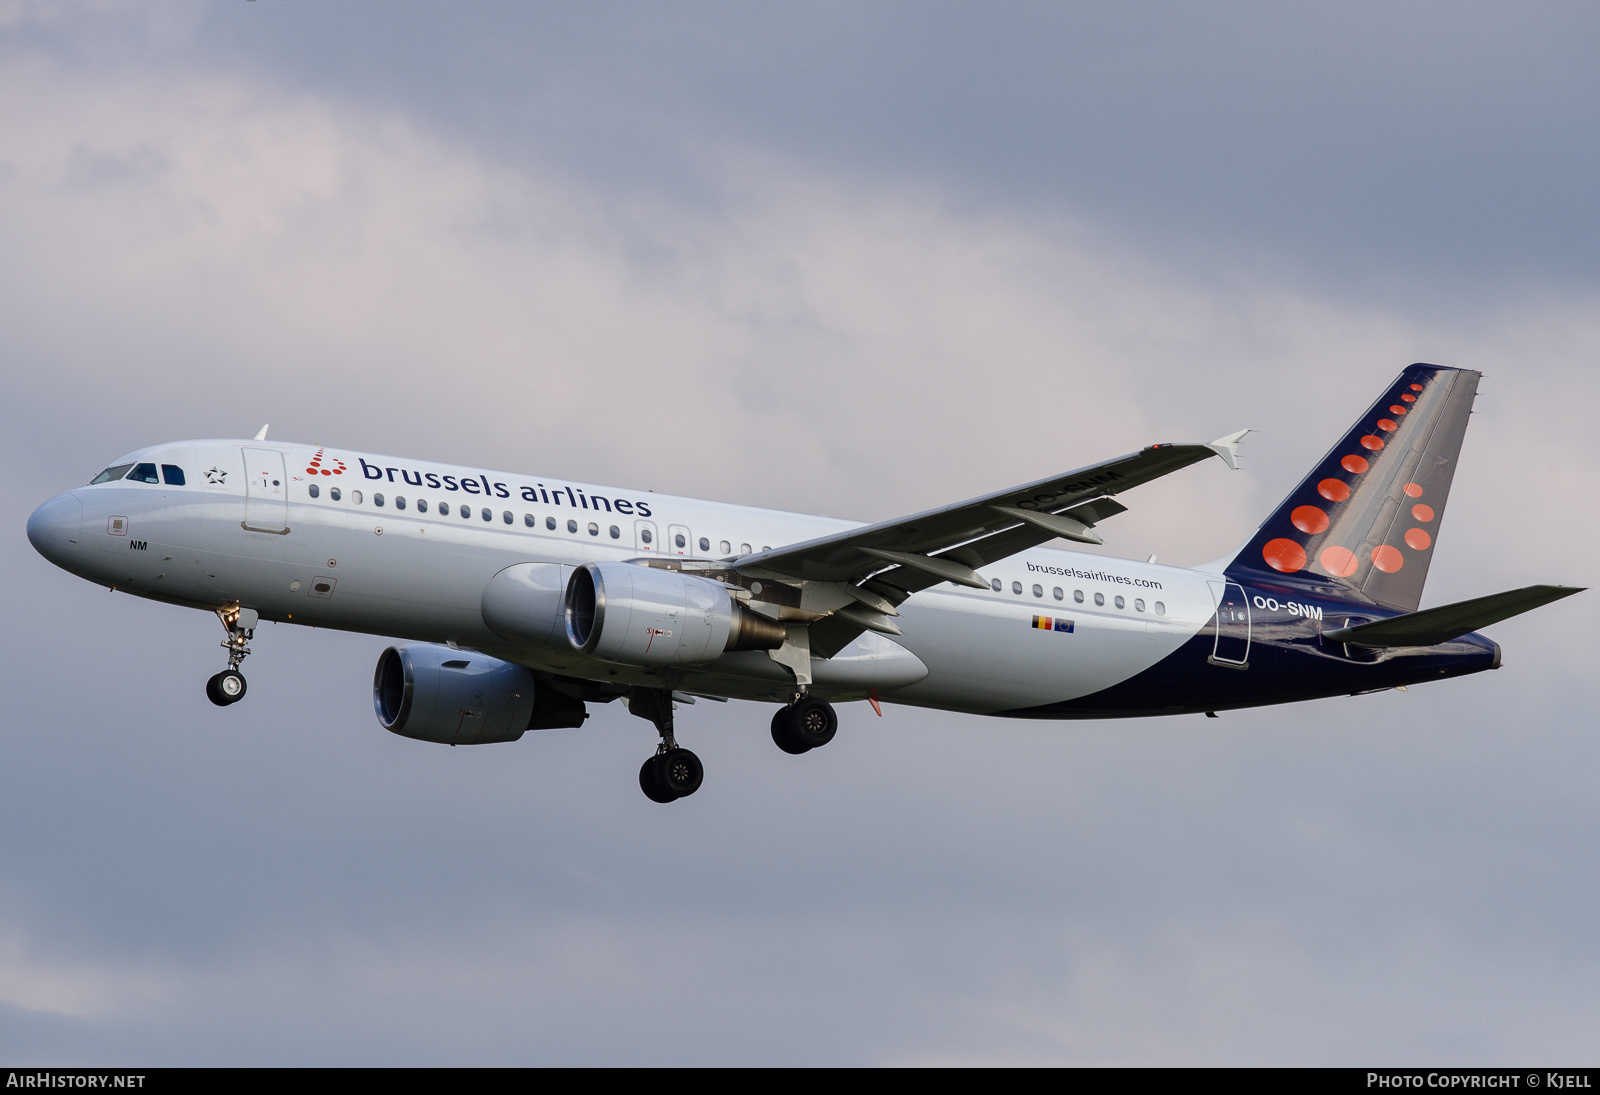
column 979, row 521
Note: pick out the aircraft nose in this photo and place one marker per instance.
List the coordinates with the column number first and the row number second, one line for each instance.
column 55, row 528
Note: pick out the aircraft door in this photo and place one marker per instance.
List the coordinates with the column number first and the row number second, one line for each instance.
column 1232, row 645
column 266, row 491
column 679, row 540
column 644, row 536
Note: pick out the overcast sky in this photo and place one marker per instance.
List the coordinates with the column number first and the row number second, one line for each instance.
column 842, row 258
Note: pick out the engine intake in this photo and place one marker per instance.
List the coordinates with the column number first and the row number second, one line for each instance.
column 453, row 697
column 639, row 615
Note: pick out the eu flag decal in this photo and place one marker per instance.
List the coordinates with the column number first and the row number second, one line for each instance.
column 1048, row 623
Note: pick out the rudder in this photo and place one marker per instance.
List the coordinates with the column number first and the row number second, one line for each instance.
column 1367, row 518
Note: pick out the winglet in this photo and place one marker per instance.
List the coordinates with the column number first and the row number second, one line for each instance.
column 262, row 436
column 1228, row 448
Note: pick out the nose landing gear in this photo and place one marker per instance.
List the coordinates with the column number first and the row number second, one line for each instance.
column 673, row 772
column 807, row 723
column 229, row 686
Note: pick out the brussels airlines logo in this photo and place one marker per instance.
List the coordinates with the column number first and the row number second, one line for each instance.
column 315, row 467
column 479, row 484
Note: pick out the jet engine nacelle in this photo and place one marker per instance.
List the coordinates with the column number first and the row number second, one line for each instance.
column 460, row 697
column 638, row 615
column 525, row 602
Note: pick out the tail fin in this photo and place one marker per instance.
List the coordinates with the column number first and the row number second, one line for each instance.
column 1364, row 523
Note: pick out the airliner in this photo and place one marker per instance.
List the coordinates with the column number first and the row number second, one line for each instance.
column 519, row 600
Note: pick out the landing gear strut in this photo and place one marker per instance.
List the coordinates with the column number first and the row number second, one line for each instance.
column 673, row 772
column 807, row 723
column 229, row 685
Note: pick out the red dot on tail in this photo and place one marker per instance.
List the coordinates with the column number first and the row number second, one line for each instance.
column 1408, row 398
column 1388, row 425
column 325, row 471
column 1373, row 443
column 1418, row 540
column 1413, row 490
column 1356, row 464
column 311, row 471
column 1309, row 519
column 1340, row 562
column 1334, row 490
column 1416, row 387
column 1285, row 556
column 1387, row 558
column 1397, row 409
column 1422, row 511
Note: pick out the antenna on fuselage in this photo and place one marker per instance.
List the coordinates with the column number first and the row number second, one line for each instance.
column 262, row 436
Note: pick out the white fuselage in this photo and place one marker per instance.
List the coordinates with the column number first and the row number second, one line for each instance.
column 406, row 548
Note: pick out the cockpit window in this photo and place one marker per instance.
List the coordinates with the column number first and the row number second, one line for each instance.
column 144, row 473
column 172, row 475
column 111, row 473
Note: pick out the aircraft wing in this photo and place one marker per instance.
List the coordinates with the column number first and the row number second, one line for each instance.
column 948, row 544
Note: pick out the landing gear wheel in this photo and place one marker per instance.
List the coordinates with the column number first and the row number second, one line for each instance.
column 812, row 722
column 783, row 737
column 650, row 785
column 678, row 773
column 226, row 687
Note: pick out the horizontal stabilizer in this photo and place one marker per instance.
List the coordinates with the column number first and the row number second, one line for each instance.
column 1433, row 626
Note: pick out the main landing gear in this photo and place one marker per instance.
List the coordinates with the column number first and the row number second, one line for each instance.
column 228, row 686
column 807, row 723
column 673, row 772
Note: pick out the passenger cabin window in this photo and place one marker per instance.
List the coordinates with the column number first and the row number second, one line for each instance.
column 466, row 511
column 172, row 475
column 572, row 526
column 333, row 492
column 1016, row 587
column 550, row 523
column 1056, row 592
column 1120, row 602
column 377, row 499
column 1100, row 599
column 400, row 501
column 144, row 473
column 110, row 474
column 1161, row 609
column 594, row 529
column 744, row 549
column 1077, row 595
column 644, row 536
column 725, row 548
column 488, row 514
column 994, row 584
column 705, row 544
column 313, row 490
column 681, row 541
column 422, row 505
column 616, row 533
column 506, row 517
column 1038, row 591
column 527, row 519
column 1138, row 605
column 355, row 497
